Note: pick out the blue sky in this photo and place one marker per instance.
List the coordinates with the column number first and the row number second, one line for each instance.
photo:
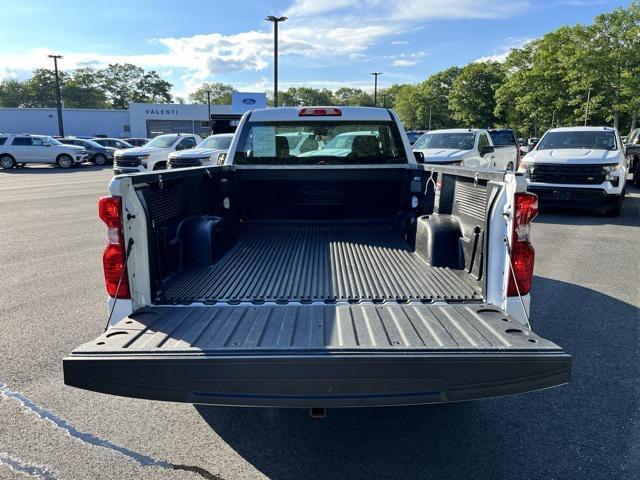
column 325, row 43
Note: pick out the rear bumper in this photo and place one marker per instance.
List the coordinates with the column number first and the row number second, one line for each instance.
column 574, row 197
column 324, row 381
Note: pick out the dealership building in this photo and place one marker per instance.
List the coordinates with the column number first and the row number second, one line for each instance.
column 139, row 120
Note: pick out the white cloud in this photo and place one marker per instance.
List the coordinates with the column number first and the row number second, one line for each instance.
column 405, row 63
column 317, row 34
column 411, row 10
column 500, row 54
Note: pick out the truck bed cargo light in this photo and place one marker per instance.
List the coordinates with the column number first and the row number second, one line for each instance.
column 320, row 112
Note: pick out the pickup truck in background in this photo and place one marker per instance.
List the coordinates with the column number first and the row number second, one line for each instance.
column 579, row 167
column 211, row 151
column 154, row 155
column 468, row 147
column 335, row 280
column 507, row 147
column 633, row 156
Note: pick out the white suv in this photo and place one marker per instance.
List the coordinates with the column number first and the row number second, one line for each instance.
column 155, row 154
column 18, row 149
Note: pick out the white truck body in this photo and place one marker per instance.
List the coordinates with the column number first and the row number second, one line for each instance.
column 578, row 167
column 207, row 153
column 155, row 154
column 282, row 279
column 468, row 147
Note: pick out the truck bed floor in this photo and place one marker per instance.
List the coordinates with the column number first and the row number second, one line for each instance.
column 317, row 262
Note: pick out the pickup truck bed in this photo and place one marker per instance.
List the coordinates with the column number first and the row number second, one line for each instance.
column 310, row 262
column 310, row 355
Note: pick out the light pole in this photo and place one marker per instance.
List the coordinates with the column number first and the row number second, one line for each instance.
column 586, row 115
column 58, row 101
column 209, row 111
column 375, row 87
column 275, row 21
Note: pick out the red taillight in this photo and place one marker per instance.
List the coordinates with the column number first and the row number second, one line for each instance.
column 109, row 209
column 522, row 253
column 114, row 265
column 113, row 258
column 320, row 112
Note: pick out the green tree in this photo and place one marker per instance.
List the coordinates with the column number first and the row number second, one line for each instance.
column 300, row 96
column 41, row 88
column 125, row 83
column 609, row 62
column 353, row 96
column 13, row 93
column 408, row 105
column 435, row 92
column 82, row 90
column 472, row 97
column 535, row 92
column 220, row 93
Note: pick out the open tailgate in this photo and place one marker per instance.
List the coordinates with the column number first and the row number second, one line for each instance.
column 317, row 355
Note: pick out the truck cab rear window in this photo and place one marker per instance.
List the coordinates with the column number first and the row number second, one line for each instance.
column 319, row 143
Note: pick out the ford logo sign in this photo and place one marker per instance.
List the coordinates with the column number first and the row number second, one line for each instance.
column 248, row 101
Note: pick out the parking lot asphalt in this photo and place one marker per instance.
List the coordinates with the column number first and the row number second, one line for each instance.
column 586, row 297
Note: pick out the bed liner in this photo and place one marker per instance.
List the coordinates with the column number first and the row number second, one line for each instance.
column 307, row 262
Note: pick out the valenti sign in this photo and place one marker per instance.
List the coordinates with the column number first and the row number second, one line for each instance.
column 162, row 111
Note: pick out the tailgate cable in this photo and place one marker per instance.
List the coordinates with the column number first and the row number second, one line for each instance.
column 513, row 272
column 115, row 299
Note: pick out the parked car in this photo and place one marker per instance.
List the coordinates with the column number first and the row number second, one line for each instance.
column 414, row 135
column 112, row 142
column 633, row 155
column 350, row 281
column 97, row 153
column 155, row 154
column 469, row 147
column 20, row 149
column 136, row 142
column 208, row 152
column 579, row 167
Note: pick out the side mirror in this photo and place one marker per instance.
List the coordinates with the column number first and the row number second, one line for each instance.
column 189, row 147
column 180, row 147
column 45, row 144
column 487, row 149
column 419, row 157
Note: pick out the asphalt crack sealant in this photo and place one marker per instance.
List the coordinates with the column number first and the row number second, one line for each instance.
column 85, row 437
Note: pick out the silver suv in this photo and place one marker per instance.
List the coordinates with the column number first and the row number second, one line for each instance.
column 16, row 150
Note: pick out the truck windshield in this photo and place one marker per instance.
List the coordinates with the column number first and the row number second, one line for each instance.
column 320, row 143
column 456, row 141
column 163, row 141
column 592, row 140
column 217, row 142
